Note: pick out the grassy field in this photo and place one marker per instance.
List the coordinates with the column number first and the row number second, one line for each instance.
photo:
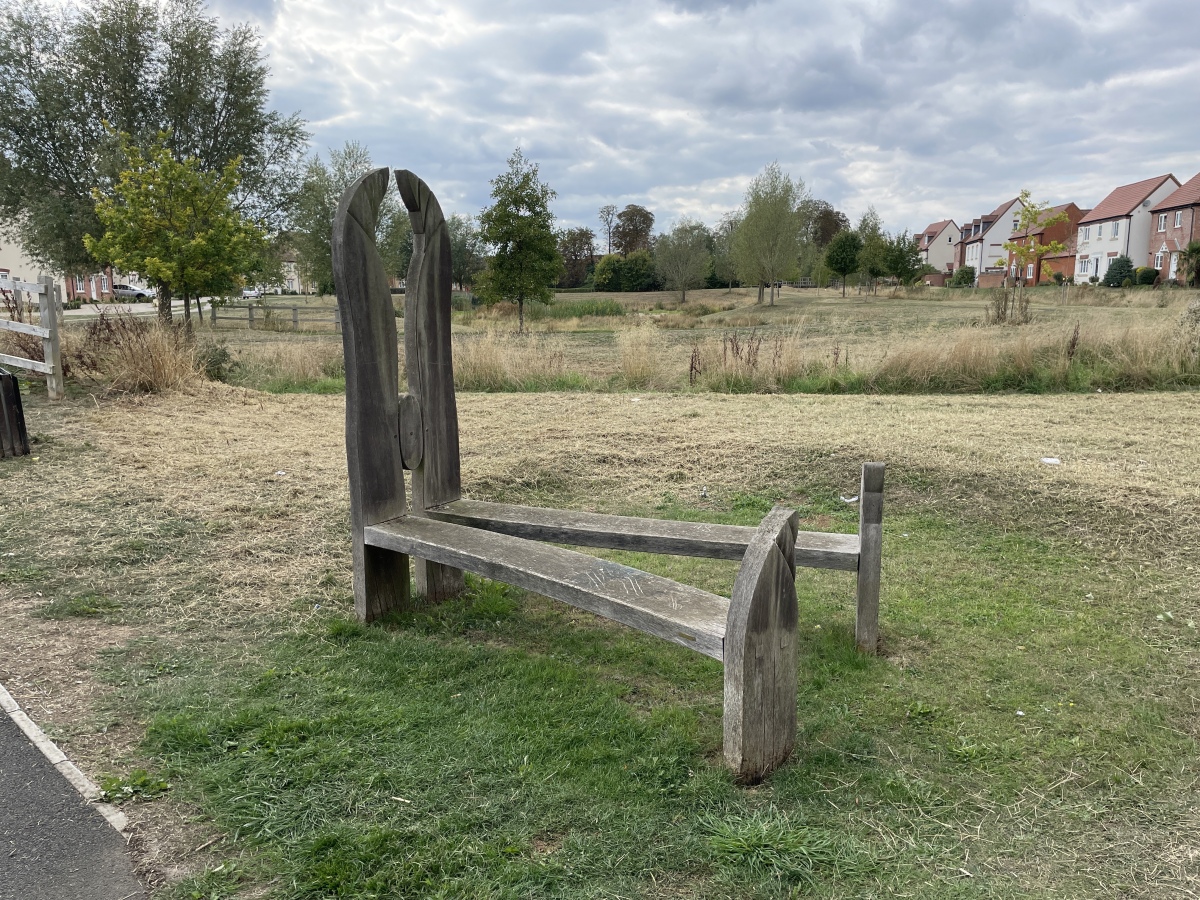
column 811, row 341
column 175, row 610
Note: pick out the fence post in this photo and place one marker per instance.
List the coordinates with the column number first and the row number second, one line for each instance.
column 870, row 554
column 295, row 318
column 250, row 317
column 337, row 318
column 51, row 348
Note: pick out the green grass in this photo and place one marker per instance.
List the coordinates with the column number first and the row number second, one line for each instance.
column 502, row 745
column 86, row 606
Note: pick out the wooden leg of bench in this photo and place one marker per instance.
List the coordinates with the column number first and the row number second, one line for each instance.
column 381, row 583
column 435, row 582
column 870, row 555
column 760, row 652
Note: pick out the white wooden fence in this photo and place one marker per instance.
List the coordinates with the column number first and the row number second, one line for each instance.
column 49, row 301
column 278, row 317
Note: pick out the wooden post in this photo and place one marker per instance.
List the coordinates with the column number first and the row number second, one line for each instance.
column 337, row 321
column 760, row 652
column 870, row 557
column 14, row 441
column 430, row 369
column 250, row 317
column 51, row 346
column 295, row 318
column 381, row 580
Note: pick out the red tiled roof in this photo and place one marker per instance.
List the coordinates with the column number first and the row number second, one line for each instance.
column 1050, row 214
column 1124, row 200
column 1188, row 195
column 935, row 229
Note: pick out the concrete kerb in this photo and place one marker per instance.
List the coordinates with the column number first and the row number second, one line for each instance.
column 87, row 789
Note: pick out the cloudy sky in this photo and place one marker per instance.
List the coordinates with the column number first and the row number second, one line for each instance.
column 925, row 108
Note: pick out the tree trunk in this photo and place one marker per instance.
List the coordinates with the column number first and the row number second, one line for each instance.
column 843, row 286
column 199, row 311
column 761, row 291
column 164, row 304
column 187, row 309
column 520, row 315
column 682, row 296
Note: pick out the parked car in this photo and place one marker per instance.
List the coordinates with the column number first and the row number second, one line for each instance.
column 128, row 292
column 250, row 293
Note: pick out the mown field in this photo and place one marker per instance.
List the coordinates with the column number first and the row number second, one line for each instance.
column 175, row 610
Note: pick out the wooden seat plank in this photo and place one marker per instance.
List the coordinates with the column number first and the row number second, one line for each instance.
column 676, row 612
column 814, row 549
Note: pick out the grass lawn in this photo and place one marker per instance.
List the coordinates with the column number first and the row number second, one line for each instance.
column 175, row 608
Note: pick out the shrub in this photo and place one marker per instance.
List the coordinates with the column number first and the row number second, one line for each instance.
column 634, row 272
column 1127, row 283
column 136, row 355
column 1147, row 275
column 964, row 276
column 1119, row 270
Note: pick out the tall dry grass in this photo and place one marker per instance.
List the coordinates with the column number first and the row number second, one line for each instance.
column 749, row 362
column 643, row 352
column 502, row 361
column 122, row 353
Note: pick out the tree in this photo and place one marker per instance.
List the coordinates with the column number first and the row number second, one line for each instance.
column 177, row 225
column 467, row 256
column 827, row 222
column 767, row 243
column 682, row 256
column 519, row 228
column 632, row 231
column 608, row 214
column 73, row 78
column 1119, row 271
column 634, row 272
column 578, row 249
column 320, row 192
column 723, row 264
column 872, row 258
column 841, row 256
column 903, row 259
column 1024, row 250
column 1189, row 264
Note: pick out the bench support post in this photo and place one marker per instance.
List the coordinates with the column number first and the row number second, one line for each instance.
column 381, row 579
column 429, row 365
column 870, row 555
column 760, row 652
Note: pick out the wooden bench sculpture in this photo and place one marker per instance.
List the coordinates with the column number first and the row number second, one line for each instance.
column 753, row 634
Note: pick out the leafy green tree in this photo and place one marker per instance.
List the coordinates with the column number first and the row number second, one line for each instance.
column 519, row 229
column 767, row 243
column 903, row 258
column 177, row 226
column 827, row 223
column 1189, row 264
column 578, row 249
column 1024, row 250
column 724, row 266
column 633, row 229
column 320, row 192
column 608, row 215
column 964, row 276
column 1119, row 269
column 841, row 256
column 73, row 77
column 628, row 274
column 872, row 258
column 467, row 257
column 682, row 256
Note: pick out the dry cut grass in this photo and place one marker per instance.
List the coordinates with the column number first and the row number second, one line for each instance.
column 499, row 361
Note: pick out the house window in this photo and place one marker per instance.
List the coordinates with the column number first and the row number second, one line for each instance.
column 1100, row 231
column 5, row 275
column 1029, row 271
column 104, row 282
column 1082, row 265
column 1158, row 258
column 78, row 282
column 1016, row 224
column 1178, row 218
column 1085, row 233
column 1162, row 222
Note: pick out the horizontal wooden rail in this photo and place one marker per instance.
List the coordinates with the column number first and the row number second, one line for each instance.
column 31, row 364
column 814, row 549
column 675, row 612
column 23, row 328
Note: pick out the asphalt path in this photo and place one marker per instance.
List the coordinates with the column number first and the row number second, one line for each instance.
column 53, row 845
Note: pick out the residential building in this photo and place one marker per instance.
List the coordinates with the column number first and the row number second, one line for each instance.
column 1174, row 223
column 1119, row 226
column 982, row 244
column 1063, row 232
column 936, row 244
column 15, row 266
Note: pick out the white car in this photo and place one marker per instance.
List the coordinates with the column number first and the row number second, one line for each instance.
column 250, row 293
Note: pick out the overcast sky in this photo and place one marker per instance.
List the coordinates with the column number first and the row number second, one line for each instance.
column 927, row 109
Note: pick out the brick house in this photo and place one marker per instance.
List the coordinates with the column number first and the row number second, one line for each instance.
column 936, row 244
column 982, row 241
column 1119, row 225
column 1174, row 223
column 1063, row 231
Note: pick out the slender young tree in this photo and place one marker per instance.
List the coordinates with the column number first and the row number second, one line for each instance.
column 682, row 256
column 841, row 256
column 1024, row 250
column 466, row 250
column 767, row 244
column 608, row 215
column 519, row 229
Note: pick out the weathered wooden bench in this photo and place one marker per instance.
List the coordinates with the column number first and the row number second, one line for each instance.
column 753, row 633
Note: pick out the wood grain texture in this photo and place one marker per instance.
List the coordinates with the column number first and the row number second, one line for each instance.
column 14, row 440
column 814, row 549
column 412, row 436
column 381, row 579
column 675, row 612
column 20, row 362
column 430, row 369
column 51, row 345
column 24, row 328
column 870, row 532
column 760, row 653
